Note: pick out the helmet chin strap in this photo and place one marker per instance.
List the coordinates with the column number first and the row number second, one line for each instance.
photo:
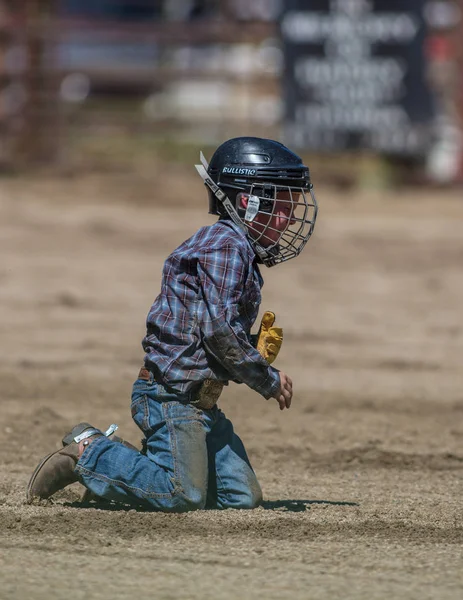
column 225, row 200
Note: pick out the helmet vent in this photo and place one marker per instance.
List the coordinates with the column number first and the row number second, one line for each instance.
column 256, row 159
column 285, row 173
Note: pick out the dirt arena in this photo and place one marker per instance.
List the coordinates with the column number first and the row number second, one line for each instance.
column 362, row 478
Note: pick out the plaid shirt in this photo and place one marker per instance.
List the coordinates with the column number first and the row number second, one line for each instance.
column 199, row 326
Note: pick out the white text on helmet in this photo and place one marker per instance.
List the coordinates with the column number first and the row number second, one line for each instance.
column 238, row 171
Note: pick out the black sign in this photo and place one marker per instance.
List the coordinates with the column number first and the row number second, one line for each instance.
column 355, row 75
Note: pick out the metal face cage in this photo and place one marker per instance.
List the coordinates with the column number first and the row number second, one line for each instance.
column 281, row 221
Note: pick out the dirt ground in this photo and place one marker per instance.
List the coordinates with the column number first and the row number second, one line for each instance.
column 362, row 478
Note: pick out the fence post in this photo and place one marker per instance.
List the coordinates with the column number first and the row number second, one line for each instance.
column 39, row 138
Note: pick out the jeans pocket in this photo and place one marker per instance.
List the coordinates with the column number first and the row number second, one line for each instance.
column 140, row 412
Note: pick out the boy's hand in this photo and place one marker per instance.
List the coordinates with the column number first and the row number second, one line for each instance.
column 285, row 393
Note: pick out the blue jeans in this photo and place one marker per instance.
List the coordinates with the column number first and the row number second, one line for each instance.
column 193, row 458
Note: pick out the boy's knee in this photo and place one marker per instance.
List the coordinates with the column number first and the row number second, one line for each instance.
column 249, row 502
column 254, row 498
column 254, row 495
column 245, row 500
column 193, row 499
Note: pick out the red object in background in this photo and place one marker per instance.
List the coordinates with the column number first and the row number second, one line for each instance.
column 440, row 48
column 444, row 50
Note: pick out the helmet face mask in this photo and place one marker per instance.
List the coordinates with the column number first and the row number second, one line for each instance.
column 282, row 223
column 266, row 190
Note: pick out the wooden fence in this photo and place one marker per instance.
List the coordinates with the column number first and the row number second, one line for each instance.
column 76, row 88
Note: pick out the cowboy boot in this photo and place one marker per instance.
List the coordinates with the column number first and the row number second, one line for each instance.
column 56, row 470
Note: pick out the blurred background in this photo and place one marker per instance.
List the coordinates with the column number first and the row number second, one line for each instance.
column 104, row 107
column 371, row 90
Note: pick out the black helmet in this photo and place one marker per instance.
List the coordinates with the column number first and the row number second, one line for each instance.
column 274, row 182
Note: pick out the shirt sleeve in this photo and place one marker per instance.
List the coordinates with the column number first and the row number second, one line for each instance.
column 222, row 278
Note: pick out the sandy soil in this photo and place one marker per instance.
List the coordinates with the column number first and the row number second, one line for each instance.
column 363, row 477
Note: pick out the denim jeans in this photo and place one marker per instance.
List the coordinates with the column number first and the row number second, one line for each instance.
column 193, row 458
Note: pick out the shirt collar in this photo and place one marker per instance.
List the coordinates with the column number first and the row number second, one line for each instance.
column 256, row 260
column 239, row 231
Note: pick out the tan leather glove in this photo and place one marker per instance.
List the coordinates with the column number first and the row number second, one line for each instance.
column 269, row 338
